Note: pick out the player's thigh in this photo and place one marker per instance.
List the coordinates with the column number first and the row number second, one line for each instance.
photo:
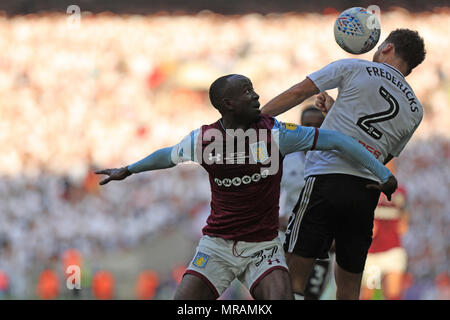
column 299, row 268
column 276, row 285
column 354, row 224
column 192, row 287
column 348, row 284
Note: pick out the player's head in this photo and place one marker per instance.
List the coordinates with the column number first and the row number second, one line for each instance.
column 233, row 95
column 311, row 117
column 404, row 45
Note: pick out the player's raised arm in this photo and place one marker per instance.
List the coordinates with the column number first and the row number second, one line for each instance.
column 329, row 77
column 290, row 98
column 160, row 159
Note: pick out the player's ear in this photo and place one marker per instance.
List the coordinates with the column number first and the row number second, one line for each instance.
column 387, row 48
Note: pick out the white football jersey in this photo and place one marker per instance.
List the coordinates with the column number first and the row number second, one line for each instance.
column 375, row 105
column 292, row 181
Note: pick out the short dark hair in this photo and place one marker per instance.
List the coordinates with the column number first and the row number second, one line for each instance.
column 310, row 108
column 409, row 46
column 217, row 91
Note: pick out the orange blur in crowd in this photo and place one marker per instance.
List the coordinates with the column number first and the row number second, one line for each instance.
column 146, row 285
column 103, row 285
column 48, row 285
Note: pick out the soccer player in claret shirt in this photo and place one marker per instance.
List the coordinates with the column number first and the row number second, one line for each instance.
column 378, row 108
column 241, row 152
column 387, row 259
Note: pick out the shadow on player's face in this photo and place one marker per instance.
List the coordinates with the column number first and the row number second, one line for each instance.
column 241, row 100
column 312, row 119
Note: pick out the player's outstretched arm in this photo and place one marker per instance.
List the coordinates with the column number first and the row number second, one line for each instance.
column 290, row 98
column 333, row 140
column 295, row 138
column 160, row 159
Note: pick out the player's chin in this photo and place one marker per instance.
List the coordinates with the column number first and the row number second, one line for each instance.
column 256, row 114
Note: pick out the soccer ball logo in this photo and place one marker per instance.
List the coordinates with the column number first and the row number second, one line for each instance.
column 356, row 30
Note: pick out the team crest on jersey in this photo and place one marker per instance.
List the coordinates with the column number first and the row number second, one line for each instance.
column 200, row 260
column 259, row 151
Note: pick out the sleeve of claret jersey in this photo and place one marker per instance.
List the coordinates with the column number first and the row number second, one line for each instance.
column 352, row 150
column 168, row 157
column 292, row 138
column 333, row 75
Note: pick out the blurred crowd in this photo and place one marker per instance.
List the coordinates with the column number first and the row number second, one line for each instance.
column 424, row 168
column 47, row 215
column 109, row 90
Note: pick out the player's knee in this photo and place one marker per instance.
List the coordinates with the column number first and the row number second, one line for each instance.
column 193, row 288
column 299, row 269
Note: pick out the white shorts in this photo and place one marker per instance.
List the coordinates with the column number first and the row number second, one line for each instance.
column 218, row 262
column 380, row 263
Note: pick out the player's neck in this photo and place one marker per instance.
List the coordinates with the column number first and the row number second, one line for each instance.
column 397, row 63
column 229, row 122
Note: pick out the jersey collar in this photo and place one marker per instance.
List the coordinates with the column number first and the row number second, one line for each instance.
column 393, row 68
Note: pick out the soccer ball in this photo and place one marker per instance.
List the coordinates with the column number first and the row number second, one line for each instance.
column 356, row 30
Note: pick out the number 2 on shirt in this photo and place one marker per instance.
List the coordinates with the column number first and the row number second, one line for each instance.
column 366, row 122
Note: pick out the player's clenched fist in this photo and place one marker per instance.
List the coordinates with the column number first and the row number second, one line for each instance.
column 114, row 174
column 324, row 102
column 388, row 188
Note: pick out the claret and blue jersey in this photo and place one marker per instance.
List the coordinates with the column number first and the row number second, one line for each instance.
column 245, row 170
column 245, row 179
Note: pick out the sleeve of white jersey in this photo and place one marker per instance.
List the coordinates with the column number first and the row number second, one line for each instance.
column 186, row 150
column 333, row 75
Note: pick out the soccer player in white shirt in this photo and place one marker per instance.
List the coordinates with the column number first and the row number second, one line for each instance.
column 376, row 106
column 292, row 183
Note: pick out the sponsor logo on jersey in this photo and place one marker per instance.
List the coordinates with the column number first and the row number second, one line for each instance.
column 216, row 158
column 200, row 260
column 371, row 149
column 236, row 157
column 237, row 181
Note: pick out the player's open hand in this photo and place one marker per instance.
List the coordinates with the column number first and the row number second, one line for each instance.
column 388, row 188
column 114, row 174
column 323, row 102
